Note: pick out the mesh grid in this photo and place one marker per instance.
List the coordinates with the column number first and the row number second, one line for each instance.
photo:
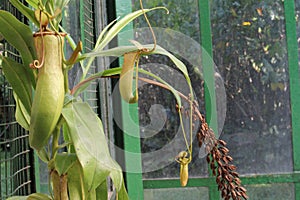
column 89, row 43
column 15, row 154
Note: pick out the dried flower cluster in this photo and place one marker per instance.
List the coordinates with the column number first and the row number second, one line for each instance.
column 220, row 163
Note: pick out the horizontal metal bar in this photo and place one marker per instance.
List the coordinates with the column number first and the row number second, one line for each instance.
column 209, row 181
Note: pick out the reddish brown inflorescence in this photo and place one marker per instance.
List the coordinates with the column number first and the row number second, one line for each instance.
column 220, row 162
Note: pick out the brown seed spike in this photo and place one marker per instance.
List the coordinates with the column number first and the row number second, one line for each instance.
column 208, row 158
column 235, row 174
column 242, row 189
column 238, row 193
column 220, row 163
column 220, row 187
column 219, row 171
column 225, row 160
column 223, row 194
column 238, row 182
column 200, row 143
column 227, row 197
column 233, row 194
column 232, row 167
column 224, row 150
column 229, row 158
column 222, row 142
column 212, row 165
column 245, row 195
column 214, row 172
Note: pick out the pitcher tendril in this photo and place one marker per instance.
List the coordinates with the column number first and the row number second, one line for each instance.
column 36, row 63
column 151, row 29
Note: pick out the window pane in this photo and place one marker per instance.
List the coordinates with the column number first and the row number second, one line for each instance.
column 177, row 193
column 250, row 51
column 271, row 191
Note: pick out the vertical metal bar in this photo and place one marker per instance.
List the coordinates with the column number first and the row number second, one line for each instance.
column 292, row 46
column 81, row 18
column 208, row 73
column 105, row 101
column 82, row 33
column 208, row 65
column 291, row 35
column 132, row 146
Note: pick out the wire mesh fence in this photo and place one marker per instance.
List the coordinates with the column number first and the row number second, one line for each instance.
column 16, row 158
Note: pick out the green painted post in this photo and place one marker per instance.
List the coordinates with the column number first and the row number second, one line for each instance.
column 208, row 72
column 208, row 65
column 292, row 45
column 130, row 119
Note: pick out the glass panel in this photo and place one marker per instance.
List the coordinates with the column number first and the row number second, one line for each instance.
column 271, row 191
column 161, row 135
column 250, row 51
column 177, row 193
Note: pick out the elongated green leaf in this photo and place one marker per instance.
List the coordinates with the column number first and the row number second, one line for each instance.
column 38, row 196
column 119, row 51
column 109, row 34
column 25, row 11
column 76, row 185
column 34, row 196
column 20, row 36
column 60, row 4
column 180, row 65
column 17, row 198
column 92, row 195
column 116, row 71
column 116, row 176
column 33, row 3
column 21, row 114
column 16, row 76
column 63, row 162
column 122, row 194
column 101, row 191
column 104, row 31
column 115, row 29
column 90, row 144
column 43, row 155
column 55, row 8
column 85, row 83
column 45, row 1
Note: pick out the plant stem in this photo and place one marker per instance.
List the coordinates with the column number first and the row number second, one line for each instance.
column 60, row 186
column 55, row 140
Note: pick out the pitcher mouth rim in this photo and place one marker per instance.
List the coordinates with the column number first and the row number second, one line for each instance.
column 43, row 33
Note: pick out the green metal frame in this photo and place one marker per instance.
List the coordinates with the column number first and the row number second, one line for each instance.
column 211, row 182
column 132, row 146
column 135, row 184
column 208, row 72
column 292, row 45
